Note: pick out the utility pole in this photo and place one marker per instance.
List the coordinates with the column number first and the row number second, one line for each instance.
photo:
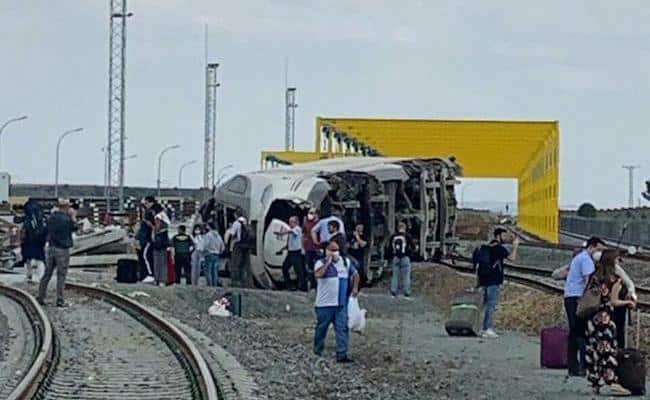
column 630, row 169
column 209, row 149
column 290, row 111
column 116, row 102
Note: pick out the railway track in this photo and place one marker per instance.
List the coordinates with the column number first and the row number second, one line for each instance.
column 106, row 346
column 22, row 377
column 538, row 278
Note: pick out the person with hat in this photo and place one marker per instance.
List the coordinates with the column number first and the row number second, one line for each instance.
column 490, row 260
column 60, row 226
column 335, row 274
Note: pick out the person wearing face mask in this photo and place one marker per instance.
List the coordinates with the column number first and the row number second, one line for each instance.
column 197, row 254
column 335, row 274
column 582, row 266
column 398, row 252
column 312, row 252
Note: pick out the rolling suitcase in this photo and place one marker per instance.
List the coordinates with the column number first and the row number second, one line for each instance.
column 631, row 370
column 554, row 347
column 465, row 316
column 171, row 270
column 127, row 271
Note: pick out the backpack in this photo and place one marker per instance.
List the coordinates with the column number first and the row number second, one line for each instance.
column 482, row 260
column 34, row 223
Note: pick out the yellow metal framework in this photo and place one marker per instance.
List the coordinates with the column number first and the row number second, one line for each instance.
column 524, row 150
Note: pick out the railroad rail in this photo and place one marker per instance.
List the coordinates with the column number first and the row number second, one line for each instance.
column 189, row 377
column 43, row 350
column 530, row 276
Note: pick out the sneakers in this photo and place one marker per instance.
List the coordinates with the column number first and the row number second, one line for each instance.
column 393, row 295
column 41, row 301
column 489, row 334
column 618, row 390
column 61, row 304
column 148, row 279
column 345, row 360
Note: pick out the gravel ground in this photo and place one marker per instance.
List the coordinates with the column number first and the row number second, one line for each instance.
column 404, row 353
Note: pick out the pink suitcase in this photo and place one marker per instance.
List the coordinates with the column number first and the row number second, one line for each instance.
column 553, row 349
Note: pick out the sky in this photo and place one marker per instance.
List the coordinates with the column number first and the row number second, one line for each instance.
column 584, row 63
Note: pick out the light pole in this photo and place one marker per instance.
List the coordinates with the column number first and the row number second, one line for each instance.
column 462, row 194
column 180, row 172
column 220, row 175
column 9, row 122
column 160, row 156
column 58, row 148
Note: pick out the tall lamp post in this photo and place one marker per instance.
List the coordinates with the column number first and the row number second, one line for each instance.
column 180, row 172
column 58, row 148
column 9, row 121
column 160, row 156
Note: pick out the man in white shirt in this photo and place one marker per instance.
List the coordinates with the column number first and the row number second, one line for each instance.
column 294, row 255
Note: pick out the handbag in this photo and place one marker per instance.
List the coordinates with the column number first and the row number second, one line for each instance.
column 589, row 303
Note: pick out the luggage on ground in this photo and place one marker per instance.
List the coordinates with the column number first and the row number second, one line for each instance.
column 631, row 370
column 554, row 347
column 127, row 271
column 171, row 270
column 465, row 316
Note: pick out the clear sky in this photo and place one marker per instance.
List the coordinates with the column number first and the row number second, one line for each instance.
column 584, row 63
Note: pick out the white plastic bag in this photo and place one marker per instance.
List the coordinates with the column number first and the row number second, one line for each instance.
column 220, row 308
column 356, row 316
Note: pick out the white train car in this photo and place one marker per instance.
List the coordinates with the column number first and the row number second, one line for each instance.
column 375, row 191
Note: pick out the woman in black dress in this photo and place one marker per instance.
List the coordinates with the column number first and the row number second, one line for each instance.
column 601, row 330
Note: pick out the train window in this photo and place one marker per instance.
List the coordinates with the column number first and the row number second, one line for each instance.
column 238, row 185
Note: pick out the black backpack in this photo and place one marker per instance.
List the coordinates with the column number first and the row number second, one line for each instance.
column 35, row 224
column 482, row 260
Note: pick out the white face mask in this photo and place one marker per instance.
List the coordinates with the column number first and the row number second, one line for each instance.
column 597, row 255
column 311, row 217
column 336, row 255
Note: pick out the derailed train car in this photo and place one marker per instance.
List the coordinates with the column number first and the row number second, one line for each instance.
column 377, row 192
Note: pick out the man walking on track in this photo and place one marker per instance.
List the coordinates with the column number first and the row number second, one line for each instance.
column 60, row 226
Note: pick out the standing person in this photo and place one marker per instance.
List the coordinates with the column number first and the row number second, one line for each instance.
column 183, row 246
column 399, row 250
column 213, row 247
column 294, row 255
column 34, row 237
column 145, row 240
column 336, row 236
column 490, row 260
column 60, row 226
column 627, row 292
column 312, row 252
column 582, row 266
column 601, row 348
column 240, row 250
column 334, row 274
column 357, row 250
column 197, row 254
column 160, row 245
column 320, row 233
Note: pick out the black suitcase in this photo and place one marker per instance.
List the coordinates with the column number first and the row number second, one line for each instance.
column 465, row 316
column 631, row 370
column 127, row 271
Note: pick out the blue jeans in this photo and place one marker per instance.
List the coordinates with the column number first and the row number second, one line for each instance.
column 401, row 265
column 490, row 298
column 337, row 315
column 212, row 262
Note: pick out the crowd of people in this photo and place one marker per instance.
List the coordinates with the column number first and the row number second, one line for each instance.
column 595, row 339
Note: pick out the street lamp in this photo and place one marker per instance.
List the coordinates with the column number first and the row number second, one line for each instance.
column 9, row 122
column 221, row 175
column 160, row 156
column 58, row 147
column 462, row 194
column 180, row 172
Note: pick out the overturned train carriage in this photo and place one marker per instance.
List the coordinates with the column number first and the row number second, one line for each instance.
column 377, row 192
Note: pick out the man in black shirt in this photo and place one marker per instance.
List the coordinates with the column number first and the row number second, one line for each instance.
column 145, row 240
column 489, row 260
column 399, row 251
column 60, row 226
column 183, row 247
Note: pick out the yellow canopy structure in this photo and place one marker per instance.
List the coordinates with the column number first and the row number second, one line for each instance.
column 524, row 150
